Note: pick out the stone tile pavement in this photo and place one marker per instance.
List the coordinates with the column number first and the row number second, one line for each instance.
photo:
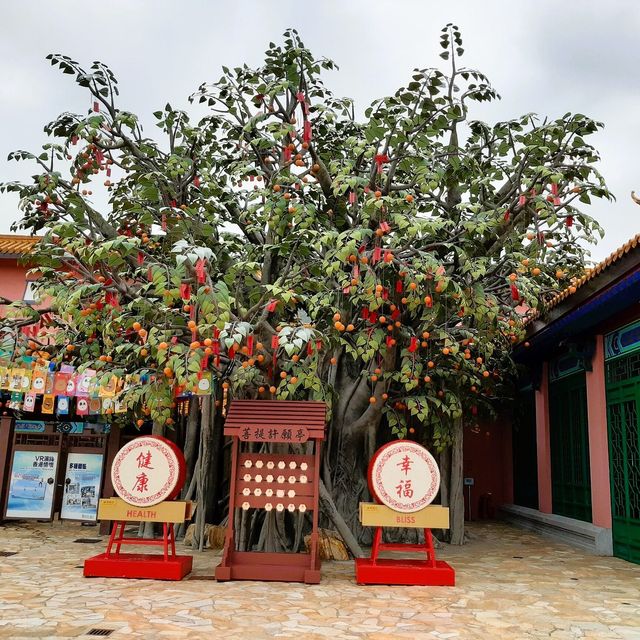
column 511, row 585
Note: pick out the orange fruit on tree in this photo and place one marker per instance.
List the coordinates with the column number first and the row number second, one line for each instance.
column 334, row 361
column 163, row 345
column 137, row 326
column 486, row 374
column 272, row 389
column 377, row 194
column 293, row 380
column 168, row 372
column 372, row 400
column 260, row 389
column 283, row 374
column 409, row 198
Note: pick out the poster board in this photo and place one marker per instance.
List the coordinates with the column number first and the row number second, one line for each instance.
column 32, row 484
column 82, row 481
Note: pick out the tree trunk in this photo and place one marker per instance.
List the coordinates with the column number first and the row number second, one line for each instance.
column 330, row 510
column 457, row 485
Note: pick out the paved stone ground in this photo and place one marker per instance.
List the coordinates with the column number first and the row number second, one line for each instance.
column 511, row 585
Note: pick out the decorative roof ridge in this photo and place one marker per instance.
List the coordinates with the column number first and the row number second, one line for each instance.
column 590, row 274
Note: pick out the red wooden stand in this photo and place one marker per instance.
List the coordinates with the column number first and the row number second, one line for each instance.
column 274, row 482
column 428, row 572
column 113, row 564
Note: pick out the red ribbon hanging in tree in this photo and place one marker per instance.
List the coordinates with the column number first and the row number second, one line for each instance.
column 377, row 254
column 373, row 317
column 352, row 196
column 196, row 181
column 554, row 188
column 140, row 258
column 287, row 154
column 200, row 270
column 185, row 291
column 399, row 286
column 515, row 294
column 507, row 215
column 395, row 314
column 231, row 353
column 522, row 200
column 569, row 221
column 300, row 97
column 364, row 314
column 250, row 345
column 413, row 345
column 271, row 306
column 96, row 106
column 380, row 160
column 309, row 348
column 275, row 341
column 163, row 222
column 111, row 299
column 306, row 133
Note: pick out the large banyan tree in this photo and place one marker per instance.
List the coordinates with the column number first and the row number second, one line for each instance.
column 294, row 250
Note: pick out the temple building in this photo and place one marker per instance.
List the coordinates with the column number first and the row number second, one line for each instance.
column 570, row 454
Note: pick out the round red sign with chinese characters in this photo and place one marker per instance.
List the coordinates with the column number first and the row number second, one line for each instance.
column 404, row 476
column 148, row 470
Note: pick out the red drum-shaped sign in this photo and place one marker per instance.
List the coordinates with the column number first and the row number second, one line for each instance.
column 404, row 476
column 148, row 470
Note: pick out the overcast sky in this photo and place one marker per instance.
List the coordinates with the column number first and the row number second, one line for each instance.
column 542, row 56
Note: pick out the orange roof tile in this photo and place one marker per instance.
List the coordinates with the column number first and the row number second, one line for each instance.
column 13, row 244
column 590, row 274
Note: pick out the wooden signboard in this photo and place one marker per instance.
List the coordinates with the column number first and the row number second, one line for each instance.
column 404, row 478
column 174, row 511
column 147, row 473
column 275, row 482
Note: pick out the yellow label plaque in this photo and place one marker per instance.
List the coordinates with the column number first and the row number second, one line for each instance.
column 169, row 511
column 379, row 515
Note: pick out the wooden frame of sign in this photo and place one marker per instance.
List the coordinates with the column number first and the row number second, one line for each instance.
column 148, row 474
column 404, row 479
column 275, row 482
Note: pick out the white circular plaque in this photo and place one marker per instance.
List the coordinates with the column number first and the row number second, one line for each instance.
column 404, row 476
column 148, row 470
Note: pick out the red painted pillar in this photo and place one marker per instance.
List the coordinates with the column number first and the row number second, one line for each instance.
column 507, row 457
column 6, row 436
column 598, row 439
column 543, row 443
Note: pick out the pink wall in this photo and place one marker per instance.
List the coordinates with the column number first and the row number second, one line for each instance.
column 13, row 278
column 598, row 439
column 543, row 444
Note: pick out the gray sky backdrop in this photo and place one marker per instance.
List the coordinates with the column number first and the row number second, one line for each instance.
column 542, row 56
